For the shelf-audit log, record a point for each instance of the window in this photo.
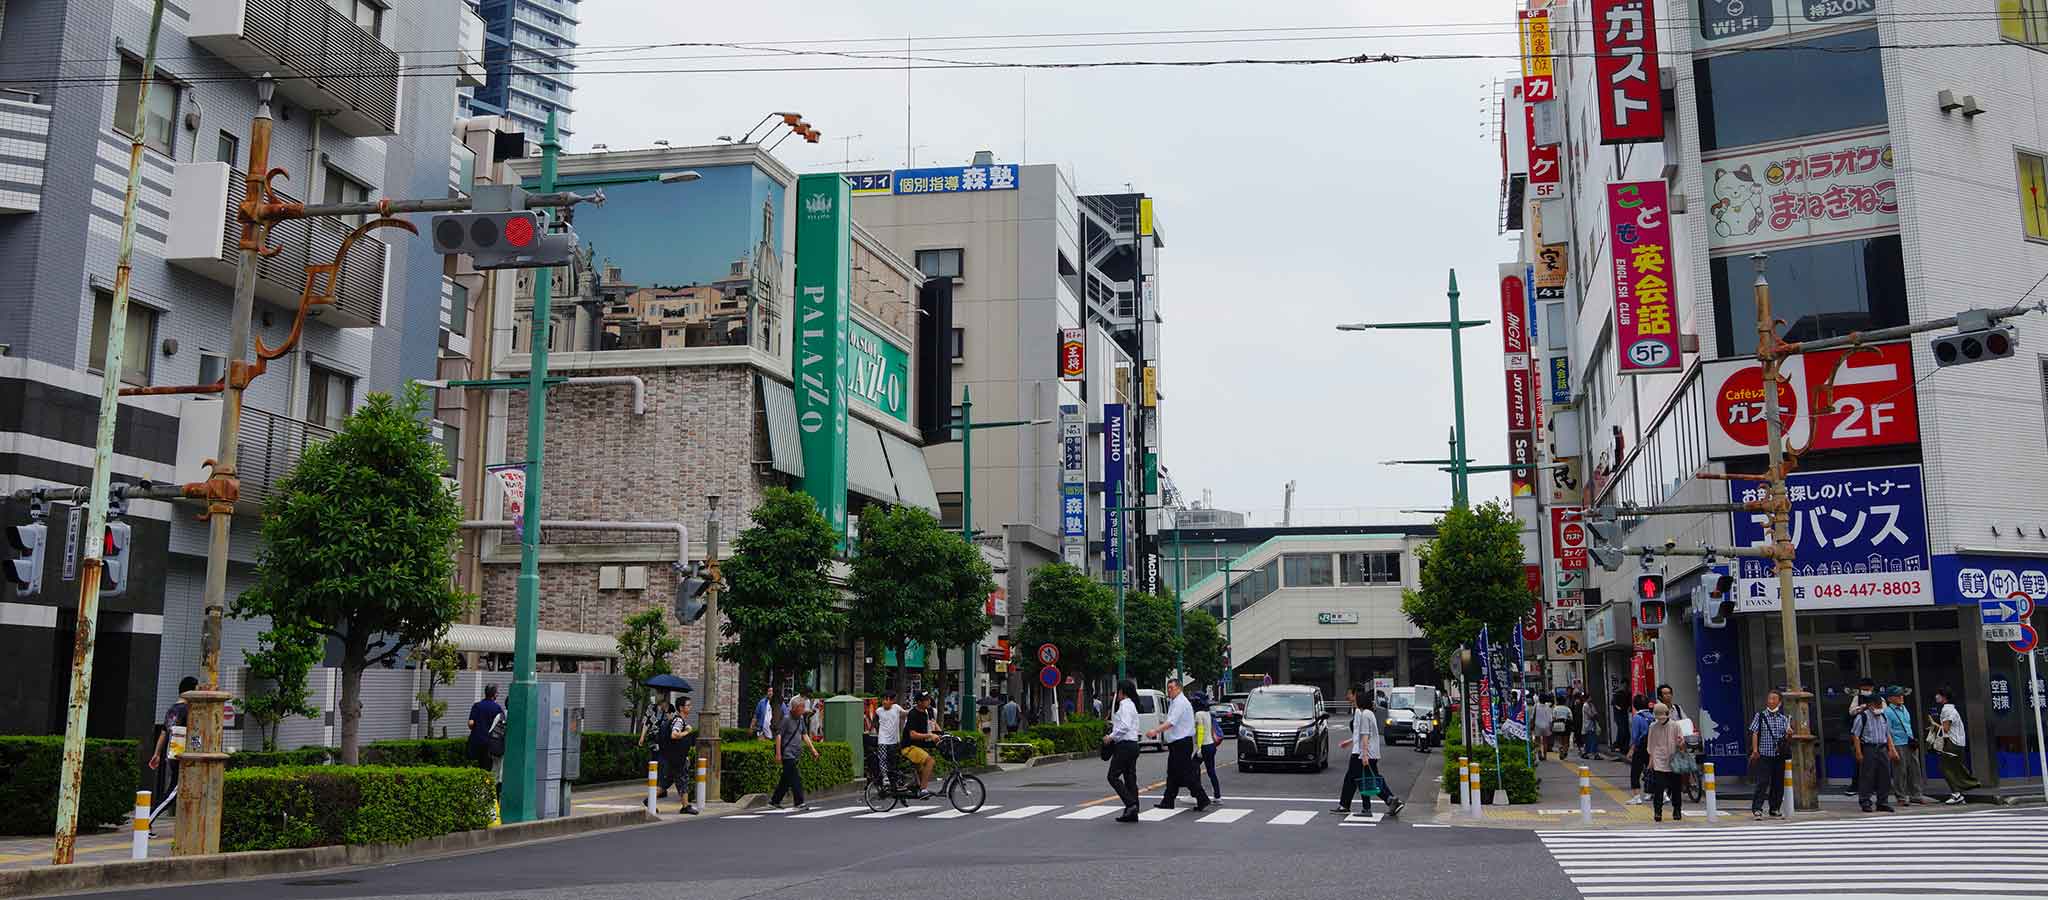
(458, 308)
(1823, 291)
(229, 150)
(343, 189)
(330, 398)
(1307, 569)
(158, 131)
(135, 342)
(1377, 567)
(2025, 21)
(213, 367)
(1554, 336)
(451, 444)
(367, 15)
(959, 344)
(939, 263)
(2033, 196)
(1839, 85)
(951, 508)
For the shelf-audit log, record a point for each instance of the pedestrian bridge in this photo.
(1302, 588)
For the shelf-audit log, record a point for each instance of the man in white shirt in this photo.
(1122, 744)
(888, 722)
(1179, 729)
(1366, 747)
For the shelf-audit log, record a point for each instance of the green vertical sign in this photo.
(879, 372)
(823, 256)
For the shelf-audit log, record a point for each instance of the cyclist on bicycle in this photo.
(919, 729)
(888, 725)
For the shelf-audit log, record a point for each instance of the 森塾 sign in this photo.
(1568, 537)
(1645, 299)
(1874, 404)
(1728, 23)
(1625, 71)
(1838, 188)
(956, 179)
(1859, 535)
(1537, 83)
(1073, 353)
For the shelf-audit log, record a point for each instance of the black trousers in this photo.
(678, 767)
(791, 782)
(1209, 760)
(1182, 773)
(1874, 775)
(1123, 773)
(1354, 778)
(1771, 769)
(1662, 784)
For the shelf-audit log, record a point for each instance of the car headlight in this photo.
(1305, 733)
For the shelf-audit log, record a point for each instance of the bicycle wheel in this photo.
(1695, 788)
(967, 793)
(878, 797)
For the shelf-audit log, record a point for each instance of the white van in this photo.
(1151, 714)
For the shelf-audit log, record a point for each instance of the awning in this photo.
(785, 445)
(867, 464)
(493, 639)
(913, 477)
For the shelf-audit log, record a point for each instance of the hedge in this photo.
(451, 752)
(1082, 736)
(288, 808)
(29, 766)
(750, 767)
(1015, 754)
(1521, 781)
(735, 736)
(973, 748)
(271, 759)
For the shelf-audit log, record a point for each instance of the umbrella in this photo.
(668, 682)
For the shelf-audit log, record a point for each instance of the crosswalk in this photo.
(1219, 815)
(1980, 854)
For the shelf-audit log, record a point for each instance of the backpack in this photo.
(677, 727)
(1560, 719)
(496, 742)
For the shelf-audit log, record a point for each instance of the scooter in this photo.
(1423, 728)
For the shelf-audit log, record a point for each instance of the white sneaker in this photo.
(1952, 800)
(1638, 800)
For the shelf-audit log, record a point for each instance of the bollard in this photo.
(700, 782)
(1790, 804)
(1713, 803)
(1476, 794)
(141, 849)
(1464, 781)
(1586, 795)
(653, 786)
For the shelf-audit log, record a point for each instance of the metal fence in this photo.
(392, 710)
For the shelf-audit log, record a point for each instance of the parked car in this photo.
(1227, 717)
(1284, 725)
(1405, 706)
(1151, 714)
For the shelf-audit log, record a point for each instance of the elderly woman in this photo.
(1663, 740)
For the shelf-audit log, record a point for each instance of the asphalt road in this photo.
(1030, 841)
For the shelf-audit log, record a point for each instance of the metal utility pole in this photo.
(971, 714)
(83, 635)
(1180, 582)
(520, 791)
(1460, 488)
(1229, 658)
(1769, 353)
(707, 715)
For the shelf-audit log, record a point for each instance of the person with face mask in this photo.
(1661, 741)
(1871, 737)
(1768, 731)
(1909, 781)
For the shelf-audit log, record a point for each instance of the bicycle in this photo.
(891, 784)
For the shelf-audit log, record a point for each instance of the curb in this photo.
(1051, 758)
(180, 870)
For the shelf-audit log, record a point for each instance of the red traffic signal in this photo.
(1649, 587)
(519, 231)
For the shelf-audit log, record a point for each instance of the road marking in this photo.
(1355, 820)
(1234, 798)
(899, 811)
(954, 813)
(828, 813)
(742, 816)
(1024, 812)
(1293, 817)
(611, 806)
(1225, 816)
(1092, 812)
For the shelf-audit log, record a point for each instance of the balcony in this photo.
(24, 144)
(323, 61)
(271, 445)
(206, 234)
(469, 68)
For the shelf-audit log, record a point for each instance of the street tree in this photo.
(1150, 645)
(644, 646)
(285, 655)
(358, 544)
(1471, 576)
(909, 577)
(1204, 646)
(439, 660)
(780, 610)
(960, 615)
(1073, 612)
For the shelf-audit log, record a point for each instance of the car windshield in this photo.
(1280, 706)
(1401, 701)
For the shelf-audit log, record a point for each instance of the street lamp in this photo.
(1180, 586)
(968, 427)
(1456, 326)
(1124, 563)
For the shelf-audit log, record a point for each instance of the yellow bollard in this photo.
(1476, 791)
(1713, 802)
(1465, 781)
(1586, 795)
(142, 811)
(653, 785)
(701, 777)
(1786, 808)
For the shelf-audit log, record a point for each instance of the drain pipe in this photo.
(639, 397)
(680, 530)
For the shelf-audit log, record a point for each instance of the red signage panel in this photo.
(1625, 71)
(1073, 353)
(1568, 537)
(1546, 162)
(1870, 402)
(1645, 297)
(1514, 310)
(1522, 451)
(1521, 401)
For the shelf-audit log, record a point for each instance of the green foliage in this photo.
(1012, 753)
(1521, 783)
(440, 660)
(276, 809)
(1204, 649)
(357, 544)
(1068, 609)
(1471, 576)
(1078, 736)
(780, 609)
(730, 735)
(750, 767)
(425, 752)
(644, 646)
(1150, 645)
(610, 756)
(29, 766)
(913, 580)
(973, 750)
(273, 759)
(285, 655)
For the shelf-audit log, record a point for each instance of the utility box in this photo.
(845, 720)
(551, 731)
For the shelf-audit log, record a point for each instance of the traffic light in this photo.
(503, 240)
(690, 605)
(1720, 600)
(26, 568)
(1602, 547)
(1976, 339)
(1650, 600)
(114, 560)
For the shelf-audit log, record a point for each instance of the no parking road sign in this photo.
(1048, 655)
(1049, 676)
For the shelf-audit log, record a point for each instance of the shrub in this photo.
(735, 736)
(973, 750)
(1012, 753)
(284, 808)
(750, 767)
(612, 756)
(1521, 781)
(271, 759)
(29, 767)
(1079, 736)
(452, 752)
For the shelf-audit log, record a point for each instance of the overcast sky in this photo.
(1291, 198)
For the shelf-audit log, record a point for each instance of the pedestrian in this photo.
(483, 715)
(1575, 725)
(1121, 747)
(1012, 715)
(653, 736)
(1621, 711)
(1207, 739)
(1539, 728)
(679, 755)
(888, 724)
(1097, 703)
(170, 743)
(1664, 697)
(1767, 736)
(1639, 752)
(1951, 741)
(1909, 782)
(1871, 737)
(921, 733)
(1661, 741)
(766, 710)
(1363, 762)
(1864, 686)
(791, 738)
(1179, 729)
(1589, 743)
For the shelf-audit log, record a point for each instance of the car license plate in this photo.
(1276, 751)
